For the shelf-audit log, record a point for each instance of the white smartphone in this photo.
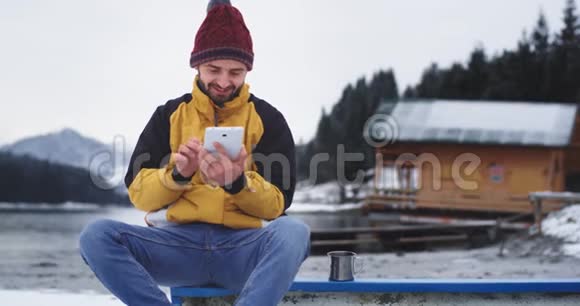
(231, 138)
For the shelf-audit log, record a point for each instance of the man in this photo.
(222, 219)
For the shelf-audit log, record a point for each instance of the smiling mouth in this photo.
(221, 91)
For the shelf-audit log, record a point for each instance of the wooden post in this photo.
(536, 199)
(378, 168)
(537, 202)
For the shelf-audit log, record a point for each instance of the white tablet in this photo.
(231, 138)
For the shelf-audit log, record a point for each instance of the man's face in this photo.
(222, 78)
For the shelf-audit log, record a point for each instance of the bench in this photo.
(404, 292)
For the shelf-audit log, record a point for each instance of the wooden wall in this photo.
(501, 181)
(572, 158)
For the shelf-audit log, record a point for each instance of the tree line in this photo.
(543, 67)
(26, 179)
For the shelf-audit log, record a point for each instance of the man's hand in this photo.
(187, 157)
(218, 168)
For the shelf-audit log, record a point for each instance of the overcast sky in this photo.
(101, 67)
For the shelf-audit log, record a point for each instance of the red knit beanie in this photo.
(222, 35)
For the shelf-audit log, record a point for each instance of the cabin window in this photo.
(400, 178)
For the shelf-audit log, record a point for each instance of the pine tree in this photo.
(477, 74)
(323, 143)
(565, 59)
(430, 84)
(409, 92)
(569, 35)
(454, 83)
(344, 125)
(323, 132)
(541, 35)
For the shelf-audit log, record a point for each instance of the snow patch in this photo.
(61, 298)
(565, 224)
(330, 192)
(323, 193)
(67, 206)
(53, 297)
(313, 208)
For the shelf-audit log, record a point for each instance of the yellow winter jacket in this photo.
(264, 191)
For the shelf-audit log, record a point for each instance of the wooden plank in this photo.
(433, 238)
(410, 197)
(392, 229)
(499, 206)
(504, 223)
(337, 242)
(404, 240)
(559, 196)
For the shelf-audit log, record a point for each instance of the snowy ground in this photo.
(26, 270)
(565, 225)
(324, 193)
(479, 263)
(556, 254)
(28, 298)
(328, 193)
(328, 208)
(67, 206)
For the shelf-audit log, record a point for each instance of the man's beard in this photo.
(219, 99)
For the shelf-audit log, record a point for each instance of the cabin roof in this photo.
(479, 122)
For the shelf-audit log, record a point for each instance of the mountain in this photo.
(68, 147)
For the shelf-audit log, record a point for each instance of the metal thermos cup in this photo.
(341, 265)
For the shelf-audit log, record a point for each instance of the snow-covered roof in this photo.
(484, 122)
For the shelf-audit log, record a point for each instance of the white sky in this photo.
(101, 67)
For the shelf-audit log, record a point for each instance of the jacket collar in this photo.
(207, 107)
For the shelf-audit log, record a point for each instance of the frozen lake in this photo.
(39, 248)
(39, 252)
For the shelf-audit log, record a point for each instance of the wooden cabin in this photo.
(472, 155)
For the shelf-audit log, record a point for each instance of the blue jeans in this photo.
(259, 264)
